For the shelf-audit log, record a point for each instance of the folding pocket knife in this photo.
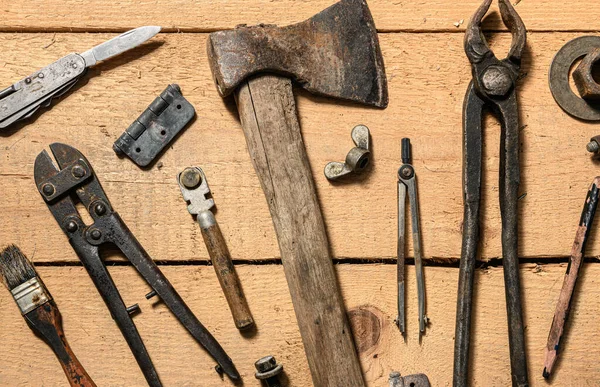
(22, 99)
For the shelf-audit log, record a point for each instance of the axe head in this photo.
(335, 53)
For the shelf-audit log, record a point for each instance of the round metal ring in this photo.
(559, 78)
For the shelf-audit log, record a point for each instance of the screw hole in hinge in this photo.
(178, 106)
(163, 132)
(138, 150)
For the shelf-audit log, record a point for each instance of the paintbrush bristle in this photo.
(15, 268)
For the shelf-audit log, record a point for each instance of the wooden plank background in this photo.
(427, 75)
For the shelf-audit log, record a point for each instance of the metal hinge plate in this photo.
(156, 127)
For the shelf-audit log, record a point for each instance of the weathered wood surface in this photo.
(27, 361)
(210, 15)
(428, 75)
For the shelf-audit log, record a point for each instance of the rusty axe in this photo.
(335, 53)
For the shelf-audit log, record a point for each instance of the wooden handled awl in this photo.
(40, 311)
(563, 306)
(194, 189)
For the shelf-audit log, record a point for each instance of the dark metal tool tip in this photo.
(406, 156)
(476, 46)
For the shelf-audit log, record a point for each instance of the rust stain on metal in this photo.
(585, 105)
(583, 76)
(335, 53)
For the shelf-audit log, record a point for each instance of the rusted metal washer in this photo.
(559, 78)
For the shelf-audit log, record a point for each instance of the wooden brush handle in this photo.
(46, 321)
(228, 278)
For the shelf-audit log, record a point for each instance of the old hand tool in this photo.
(335, 53)
(416, 380)
(40, 311)
(357, 158)
(268, 370)
(493, 87)
(563, 306)
(585, 106)
(156, 127)
(24, 98)
(407, 183)
(75, 179)
(195, 191)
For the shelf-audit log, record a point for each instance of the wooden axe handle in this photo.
(268, 114)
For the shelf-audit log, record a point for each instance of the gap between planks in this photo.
(428, 262)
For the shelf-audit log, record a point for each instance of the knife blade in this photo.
(119, 44)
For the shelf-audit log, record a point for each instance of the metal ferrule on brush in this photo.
(30, 295)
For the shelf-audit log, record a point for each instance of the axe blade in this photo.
(335, 53)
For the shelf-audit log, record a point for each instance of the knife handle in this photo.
(22, 99)
(228, 278)
(46, 321)
(8, 91)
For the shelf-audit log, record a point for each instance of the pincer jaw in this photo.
(475, 44)
(515, 25)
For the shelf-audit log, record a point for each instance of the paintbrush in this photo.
(40, 311)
